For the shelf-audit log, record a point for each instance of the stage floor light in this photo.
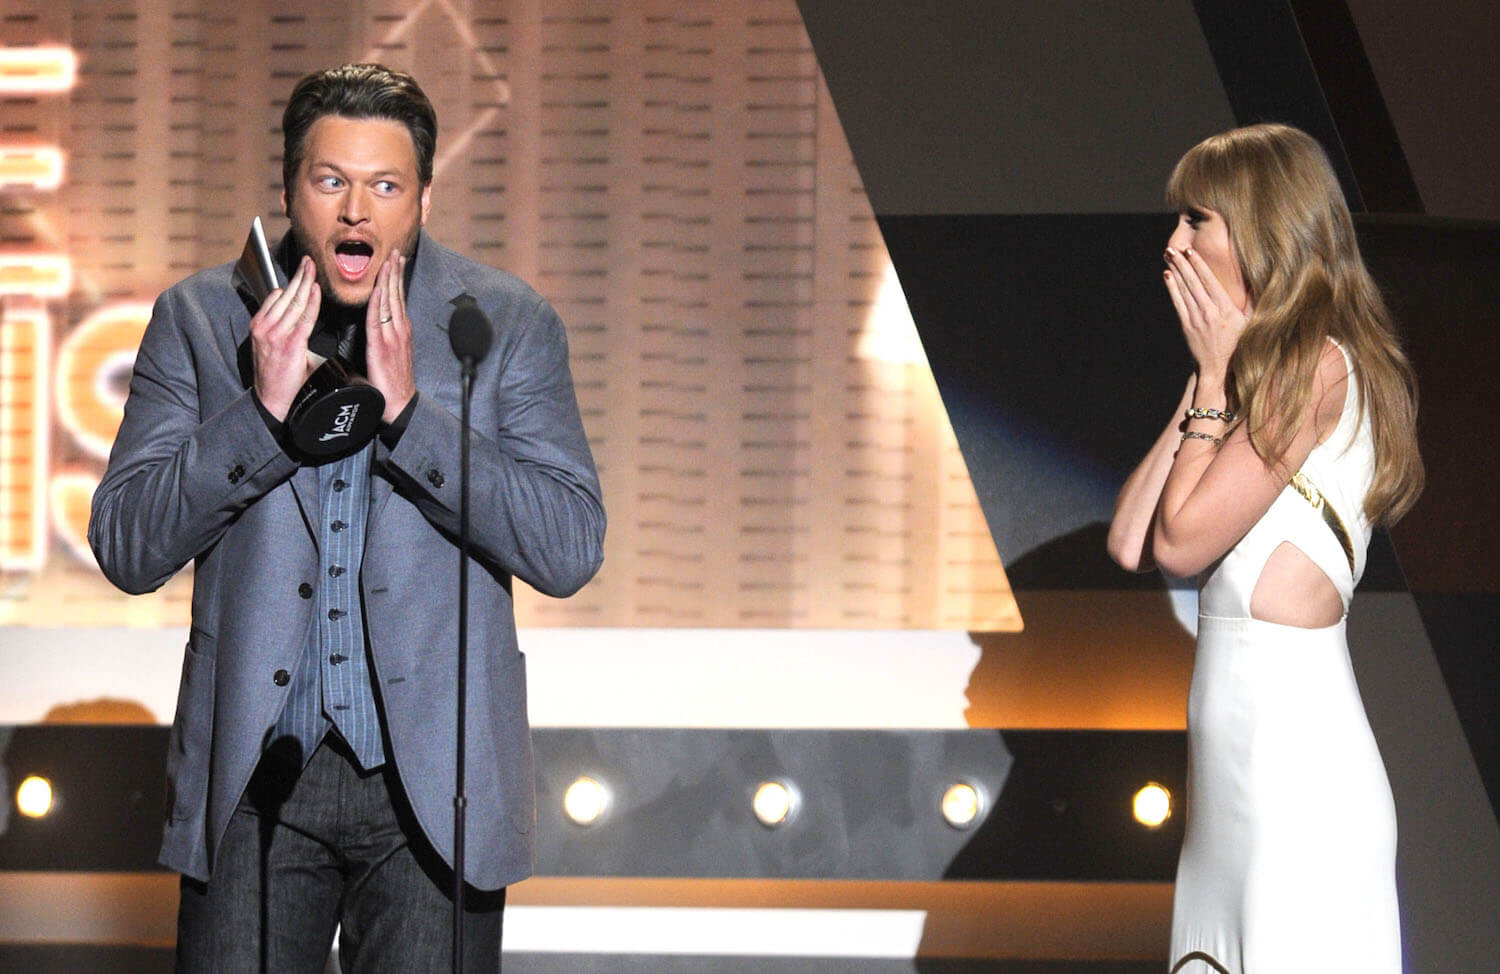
(962, 803)
(1152, 805)
(585, 801)
(34, 796)
(775, 803)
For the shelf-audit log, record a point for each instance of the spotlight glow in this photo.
(962, 804)
(94, 365)
(25, 354)
(585, 801)
(34, 168)
(34, 797)
(889, 334)
(28, 70)
(36, 275)
(775, 803)
(1152, 805)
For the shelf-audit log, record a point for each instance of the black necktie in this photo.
(351, 345)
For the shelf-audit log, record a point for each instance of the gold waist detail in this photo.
(1310, 492)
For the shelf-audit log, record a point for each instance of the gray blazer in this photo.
(196, 475)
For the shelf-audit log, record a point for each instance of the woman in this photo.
(1295, 437)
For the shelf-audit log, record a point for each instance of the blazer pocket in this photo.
(192, 731)
(514, 762)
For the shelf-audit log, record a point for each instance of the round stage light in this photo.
(775, 802)
(34, 797)
(1152, 805)
(585, 801)
(962, 804)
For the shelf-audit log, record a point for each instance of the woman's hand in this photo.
(1211, 322)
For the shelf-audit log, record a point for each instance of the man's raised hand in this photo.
(278, 339)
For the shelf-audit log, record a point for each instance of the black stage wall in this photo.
(1015, 153)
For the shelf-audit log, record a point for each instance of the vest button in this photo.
(281, 678)
(435, 477)
(305, 590)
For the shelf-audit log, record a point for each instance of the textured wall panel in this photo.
(673, 177)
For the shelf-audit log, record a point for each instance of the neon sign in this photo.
(82, 377)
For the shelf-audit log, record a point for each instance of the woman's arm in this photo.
(1213, 494)
(1130, 530)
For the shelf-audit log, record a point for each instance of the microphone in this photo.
(470, 334)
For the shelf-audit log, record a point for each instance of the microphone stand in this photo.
(470, 333)
(460, 801)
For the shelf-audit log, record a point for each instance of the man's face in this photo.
(356, 199)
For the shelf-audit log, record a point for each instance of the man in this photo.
(311, 764)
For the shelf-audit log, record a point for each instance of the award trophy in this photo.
(336, 412)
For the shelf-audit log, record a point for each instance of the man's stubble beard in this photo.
(331, 302)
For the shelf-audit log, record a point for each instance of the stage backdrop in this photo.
(770, 440)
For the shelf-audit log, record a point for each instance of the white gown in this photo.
(1289, 859)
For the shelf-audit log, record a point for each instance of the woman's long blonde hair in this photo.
(1277, 193)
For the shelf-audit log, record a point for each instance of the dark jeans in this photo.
(311, 848)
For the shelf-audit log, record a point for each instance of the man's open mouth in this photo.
(353, 258)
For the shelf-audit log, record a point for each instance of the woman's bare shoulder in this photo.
(1330, 386)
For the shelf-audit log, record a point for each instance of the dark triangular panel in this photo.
(1014, 154)
(1302, 63)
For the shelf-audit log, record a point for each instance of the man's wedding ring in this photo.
(386, 320)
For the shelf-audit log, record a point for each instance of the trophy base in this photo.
(335, 413)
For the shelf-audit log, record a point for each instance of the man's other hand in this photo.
(278, 339)
(388, 338)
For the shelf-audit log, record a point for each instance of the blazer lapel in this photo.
(305, 489)
(305, 480)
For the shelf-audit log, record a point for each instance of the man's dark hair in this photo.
(357, 91)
